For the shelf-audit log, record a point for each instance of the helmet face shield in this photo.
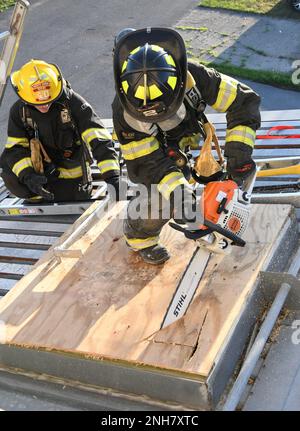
(150, 73)
(38, 82)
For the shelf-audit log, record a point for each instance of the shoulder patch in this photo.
(128, 135)
(84, 106)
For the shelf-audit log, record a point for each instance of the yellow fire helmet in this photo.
(38, 82)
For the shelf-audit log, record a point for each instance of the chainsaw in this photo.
(226, 212)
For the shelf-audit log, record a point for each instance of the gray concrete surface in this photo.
(246, 40)
(29, 392)
(78, 36)
(277, 386)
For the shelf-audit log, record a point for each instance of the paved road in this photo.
(78, 35)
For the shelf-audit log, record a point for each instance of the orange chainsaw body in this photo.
(215, 195)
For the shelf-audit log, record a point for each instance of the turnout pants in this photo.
(146, 217)
(63, 189)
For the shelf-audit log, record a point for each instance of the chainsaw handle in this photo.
(225, 232)
(194, 234)
(211, 227)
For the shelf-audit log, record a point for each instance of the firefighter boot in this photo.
(155, 255)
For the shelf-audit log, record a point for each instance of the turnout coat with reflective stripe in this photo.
(141, 146)
(60, 138)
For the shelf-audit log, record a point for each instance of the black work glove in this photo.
(240, 164)
(50, 171)
(114, 181)
(186, 208)
(35, 184)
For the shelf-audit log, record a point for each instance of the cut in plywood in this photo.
(110, 304)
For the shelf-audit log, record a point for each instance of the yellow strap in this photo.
(108, 165)
(141, 243)
(169, 183)
(12, 141)
(135, 149)
(226, 95)
(243, 134)
(95, 133)
(21, 165)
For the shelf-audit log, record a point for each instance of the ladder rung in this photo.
(4, 35)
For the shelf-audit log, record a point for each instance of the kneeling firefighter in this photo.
(52, 135)
(158, 115)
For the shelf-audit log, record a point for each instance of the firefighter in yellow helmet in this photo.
(158, 114)
(53, 136)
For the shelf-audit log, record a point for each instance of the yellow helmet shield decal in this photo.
(41, 91)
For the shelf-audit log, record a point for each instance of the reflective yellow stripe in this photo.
(124, 66)
(125, 86)
(136, 149)
(114, 135)
(135, 50)
(11, 142)
(141, 243)
(172, 81)
(108, 165)
(157, 48)
(242, 134)
(227, 94)
(169, 183)
(35, 198)
(170, 60)
(70, 173)
(141, 92)
(90, 134)
(154, 92)
(21, 165)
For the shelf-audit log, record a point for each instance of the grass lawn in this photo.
(5, 4)
(279, 8)
(278, 79)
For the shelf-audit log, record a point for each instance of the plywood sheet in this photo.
(110, 304)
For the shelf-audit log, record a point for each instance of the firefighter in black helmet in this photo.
(157, 114)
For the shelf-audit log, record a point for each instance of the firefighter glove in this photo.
(240, 164)
(114, 182)
(35, 183)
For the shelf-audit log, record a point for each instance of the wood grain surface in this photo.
(110, 304)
